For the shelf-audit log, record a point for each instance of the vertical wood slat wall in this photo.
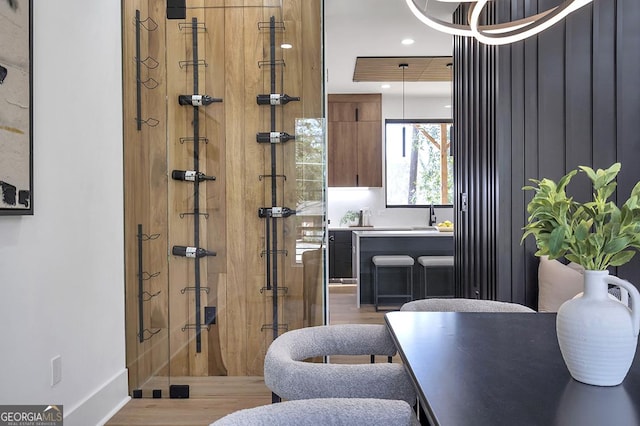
(232, 47)
(474, 165)
(564, 98)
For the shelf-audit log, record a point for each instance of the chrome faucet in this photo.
(432, 215)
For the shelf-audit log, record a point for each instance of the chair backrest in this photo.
(288, 375)
(339, 339)
(327, 411)
(463, 305)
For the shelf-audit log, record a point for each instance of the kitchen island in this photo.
(414, 243)
(340, 250)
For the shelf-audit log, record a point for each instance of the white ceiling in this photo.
(375, 28)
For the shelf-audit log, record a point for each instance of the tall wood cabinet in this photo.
(355, 140)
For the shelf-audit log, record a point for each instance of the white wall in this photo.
(62, 269)
(342, 199)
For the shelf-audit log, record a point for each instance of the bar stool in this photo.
(429, 262)
(392, 261)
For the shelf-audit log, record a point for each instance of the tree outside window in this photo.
(419, 169)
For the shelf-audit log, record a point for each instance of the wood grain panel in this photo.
(257, 193)
(158, 219)
(342, 111)
(293, 76)
(214, 163)
(235, 309)
(311, 38)
(342, 157)
(180, 156)
(199, 361)
(369, 153)
(232, 46)
(420, 68)
(131, 145)
(354, 156)
(144, 160)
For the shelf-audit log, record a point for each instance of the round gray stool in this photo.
(429, 262)
(392, 261)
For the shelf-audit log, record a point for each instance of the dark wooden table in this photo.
(503, 369)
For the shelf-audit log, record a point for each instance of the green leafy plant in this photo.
(596, 234)
(351, 216)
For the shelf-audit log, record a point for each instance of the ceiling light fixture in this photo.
(404, 128)
(286, 45)
(408, 41)
(495, 34)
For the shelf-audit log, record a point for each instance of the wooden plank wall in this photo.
(145, 175)
(561, 99)
(232, 47)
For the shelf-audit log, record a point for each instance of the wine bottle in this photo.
(276, 99)
(197, 100)
(190, 175)
(191, 252)
(275, 212)
(274, 137)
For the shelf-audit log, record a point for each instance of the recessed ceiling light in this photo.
(408, 41)
(286, 46)
(447, 106)
(385, 86)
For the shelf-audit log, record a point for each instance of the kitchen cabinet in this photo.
(355, 140)
(340, 254)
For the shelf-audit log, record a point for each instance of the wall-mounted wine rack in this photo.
(274, 213)
(144, 295)
(196, 177)
(149, 62)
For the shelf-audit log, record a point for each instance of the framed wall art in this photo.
(16, 136)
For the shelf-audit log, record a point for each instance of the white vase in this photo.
(597, 334)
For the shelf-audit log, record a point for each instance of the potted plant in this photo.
(350, 218)
(592, 329)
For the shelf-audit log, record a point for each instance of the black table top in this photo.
(503, 369)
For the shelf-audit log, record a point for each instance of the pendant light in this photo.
(497, 34)
(404, 129)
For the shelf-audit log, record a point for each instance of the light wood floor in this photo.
(211, 398)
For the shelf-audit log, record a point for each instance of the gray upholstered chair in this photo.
(463, 305)
(326, 411)
(290, 377)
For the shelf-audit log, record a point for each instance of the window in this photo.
(310, 171)
(419, 168)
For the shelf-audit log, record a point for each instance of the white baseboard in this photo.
(114, 411)
(102, 404)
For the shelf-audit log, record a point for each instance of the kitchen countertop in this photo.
(383, 228)
(403, 233)
(369, 228)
